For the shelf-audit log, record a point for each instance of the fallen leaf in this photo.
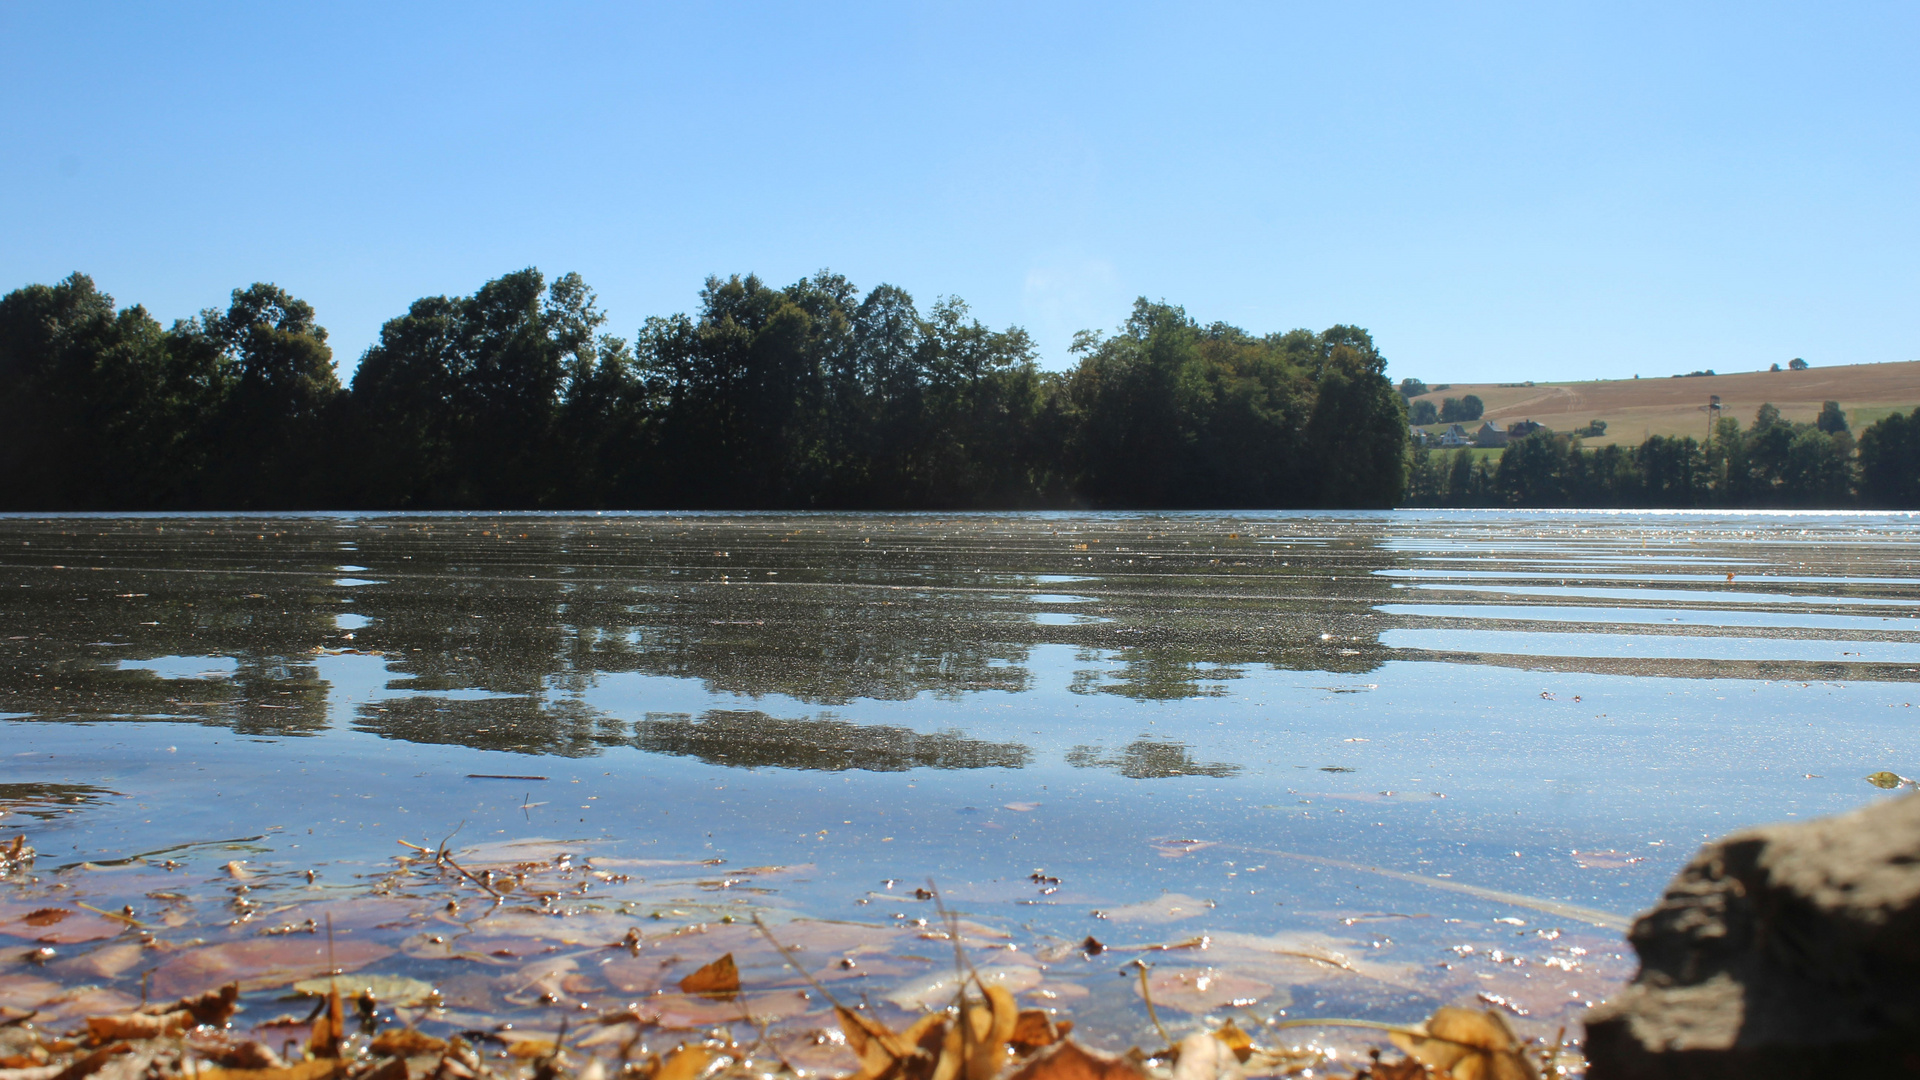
(1201, 990)
(1235, 1040)
(262, 963)
(388, 990)
(62, 926)
(938, 989)
(1467, 1045)
(406, 1042)
(686, 1063)
(1889, 780)
(311, 1069)
(104, 1029)
(1033, 1030)
(1068, 1060)
(328, 1029)
(1165, 908)
(533, 1049)
(719, 979)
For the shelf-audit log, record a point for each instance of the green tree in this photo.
(1831, 419)
(100, 410)
(277, 389)
(459, 403)
(1890, 462)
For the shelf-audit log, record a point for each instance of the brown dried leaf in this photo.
(213, 1008)
(106, 1029)
(406, 1042)
(686, 1063)
(311, 1069)
(1068, 1060)
(1033, 1030)
(329, 1029)
(719, 979)
(1236, 1040)
(1466, 1044)
(93, 1062)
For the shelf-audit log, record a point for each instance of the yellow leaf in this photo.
(406, 1042)
(311, 1069)
(1236, 1040)
(686, 1063)
(329, 1029)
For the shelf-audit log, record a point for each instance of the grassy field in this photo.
(1637, 408)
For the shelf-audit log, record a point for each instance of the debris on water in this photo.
(1890, 780)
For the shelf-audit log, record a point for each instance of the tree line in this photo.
(814, 395)
(1770, 463)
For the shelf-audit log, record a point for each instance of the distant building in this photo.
(1418, 436)
(1455, 435)
(1488, 435)
(1523, 429)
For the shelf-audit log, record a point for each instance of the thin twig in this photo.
(1152, 1013)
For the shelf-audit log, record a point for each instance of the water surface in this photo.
(1456, 751)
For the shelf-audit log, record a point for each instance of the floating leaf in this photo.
(1165, 908)
(386, 989)
(1889, 780)
(719, 979)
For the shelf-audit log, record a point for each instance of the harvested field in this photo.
(1637, 408)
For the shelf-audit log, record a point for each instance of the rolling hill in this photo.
(1637, 408)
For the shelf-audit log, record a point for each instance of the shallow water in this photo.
(1372, 737)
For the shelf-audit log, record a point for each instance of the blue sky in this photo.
(1499, 192)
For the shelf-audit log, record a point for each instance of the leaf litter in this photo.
(538, 960)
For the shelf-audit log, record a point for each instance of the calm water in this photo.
(1379, 733)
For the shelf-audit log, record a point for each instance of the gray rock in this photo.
(1787, 950)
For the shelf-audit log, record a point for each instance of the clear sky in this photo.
(1499, 192)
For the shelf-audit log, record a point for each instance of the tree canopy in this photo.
(810, 395)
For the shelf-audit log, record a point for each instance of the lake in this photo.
(1299, 764)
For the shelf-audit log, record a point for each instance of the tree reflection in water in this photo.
(1149, 759)
(752, 739)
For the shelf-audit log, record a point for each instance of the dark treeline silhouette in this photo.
(813, 395)
(1771, 463)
